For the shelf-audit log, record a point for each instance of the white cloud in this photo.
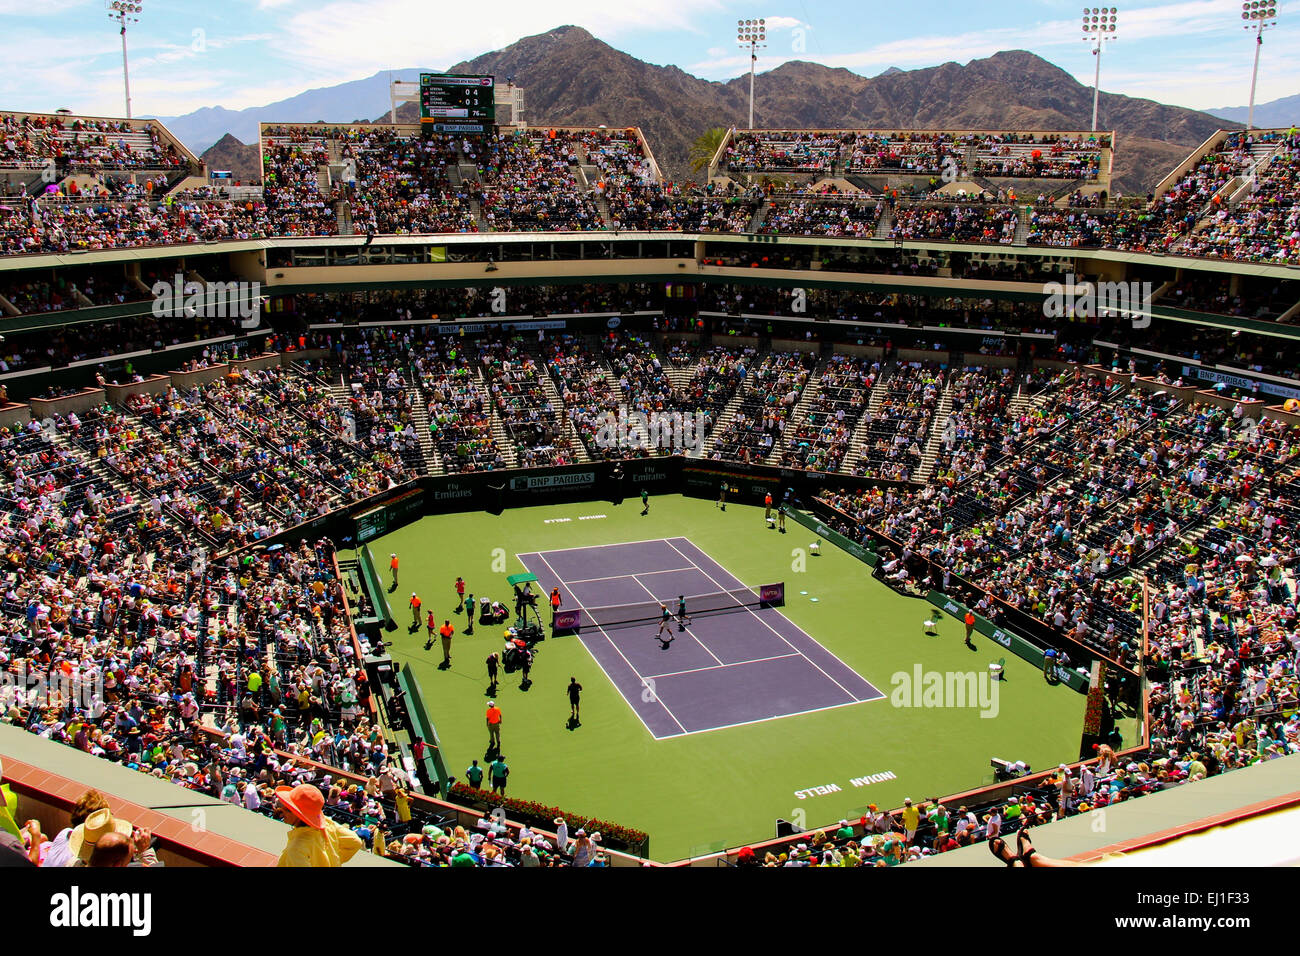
(352, 38)
(26, 8)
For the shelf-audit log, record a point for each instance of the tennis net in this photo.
(650, 611)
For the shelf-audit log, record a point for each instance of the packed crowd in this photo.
(1265, 226)
(955, 223)
(822, 439)
(216, 674)
(84, 145)
(787, 150)
(529, 184)
(377, 180)
(833, 218)
(768, 398)
(895, 431)
(539, 430)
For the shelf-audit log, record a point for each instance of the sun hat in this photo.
(305, 802)
(85, 836)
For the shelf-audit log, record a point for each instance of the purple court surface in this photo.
(722, 670)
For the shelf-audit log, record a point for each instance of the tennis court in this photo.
(695, 787)
(736, 662)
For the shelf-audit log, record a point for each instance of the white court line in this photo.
(671, 715)
(763, 720)
(588, 547)
(615, 577)
(769, 626)
(671, 621)
(696, 670)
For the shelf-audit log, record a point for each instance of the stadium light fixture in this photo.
(753, 34)
(1099, 25)
(1260, 15)
(124, 12)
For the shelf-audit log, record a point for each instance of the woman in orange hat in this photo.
(314, 840)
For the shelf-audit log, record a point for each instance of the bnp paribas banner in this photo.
(576, 479)
(1237, 381)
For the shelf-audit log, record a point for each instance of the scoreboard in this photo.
(457, 103)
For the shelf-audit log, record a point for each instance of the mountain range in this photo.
(1279, 114)
(571, 78)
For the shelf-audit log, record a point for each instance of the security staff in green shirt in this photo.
(474, 774)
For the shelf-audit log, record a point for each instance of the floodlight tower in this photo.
(124, 12)
(752, 34)
(1260, 15)
(1099, 24)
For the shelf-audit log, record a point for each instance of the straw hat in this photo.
(85, 836)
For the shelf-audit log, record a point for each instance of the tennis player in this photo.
(665, 619)
(682, 617)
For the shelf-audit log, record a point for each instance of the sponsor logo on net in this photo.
(678, 432)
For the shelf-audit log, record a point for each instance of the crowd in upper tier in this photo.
(1235, 202)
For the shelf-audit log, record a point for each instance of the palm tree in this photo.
(704, 147)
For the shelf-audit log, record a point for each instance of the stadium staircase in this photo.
(680, 377)
(1066, 189)
(939, 424)
(759, 217)
(602, 207)
(1261, 153)
(1023, 402)
(1021, 237)
(728, 413)
(886, 223)
(857, 444)
(586, 176)
(467, 176)
(500, 434)
(576, 444)
(420, 417)
(107, 475)
(798, 415)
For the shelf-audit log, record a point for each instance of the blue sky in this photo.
(239, 53)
